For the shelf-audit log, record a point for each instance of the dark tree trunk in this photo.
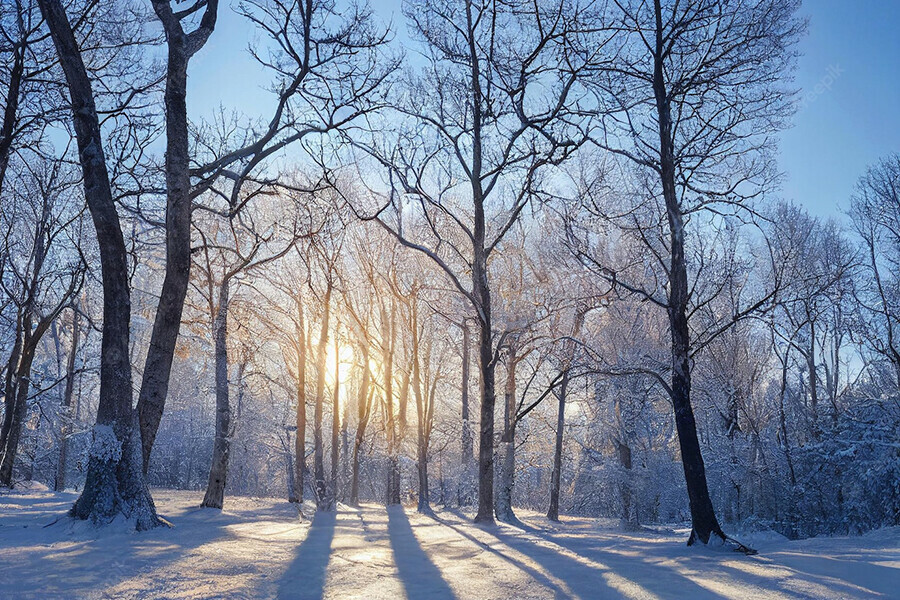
(11, 108)
(464, 489)
(503, 505)
(158, 365)
(218, 471)
(703, 517)
(9, 390)
(556, 474)
(115, 482)
(335, 425)
(422, 417)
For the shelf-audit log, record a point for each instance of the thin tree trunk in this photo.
(463, 490)
(504, 508)
(556, 474)
(424, 503)
(363, 403)
(300, 439)
(11, 106)
(115, 483)
(318, 450)
(335, 424)
(218, 471)
(393, 475)
(59, 482)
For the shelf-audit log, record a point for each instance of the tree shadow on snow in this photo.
(419, 575)
(597, 580)
(304, 579)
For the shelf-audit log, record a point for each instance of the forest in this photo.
(495, 260)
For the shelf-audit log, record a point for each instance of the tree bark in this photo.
(363, 409)
(218, 471)
(318, 450)
(335, 424)
(59, 483)
(503, 507)
(703, 517)
(300, 439)
(393, 475)
(115, 483)
(556, 474)
(167, 322)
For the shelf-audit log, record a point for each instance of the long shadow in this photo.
(587, 581)
(419, 575)
(115, 555)
(534, 573)
(304, 578)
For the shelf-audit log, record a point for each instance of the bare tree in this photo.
(478, 133)
(115, 483)
(689, 99)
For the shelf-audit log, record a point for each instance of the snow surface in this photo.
(259, 548)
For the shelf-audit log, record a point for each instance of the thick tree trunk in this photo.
(556, 474)
(506, 476)
(318, 449)
(486, 435)
(703, 517)
(166, 324)
(59, 482)
(115, 483)
(218, 471)
(300, 439)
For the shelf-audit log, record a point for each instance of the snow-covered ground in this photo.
(258, 548)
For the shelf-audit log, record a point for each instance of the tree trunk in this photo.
(363, 403)
(335, 424)
(59, 483)
(9, 391)
(115, 483)
(424, 503)
(300, 439)
(167, 322)
(703, 517)
(11, 107)
(218, 471)
(318, 450)
(464, 490)
(506, 478)
(19, 412)
(393, 475)
(556, 474)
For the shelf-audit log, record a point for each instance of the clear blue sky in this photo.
(852, 49)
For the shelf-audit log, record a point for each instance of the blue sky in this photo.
(851, 52)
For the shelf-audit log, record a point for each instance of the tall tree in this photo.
(182, 45)
(692, 94)
(115, 483)
(476, 132)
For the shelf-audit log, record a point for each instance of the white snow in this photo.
(258, 548)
